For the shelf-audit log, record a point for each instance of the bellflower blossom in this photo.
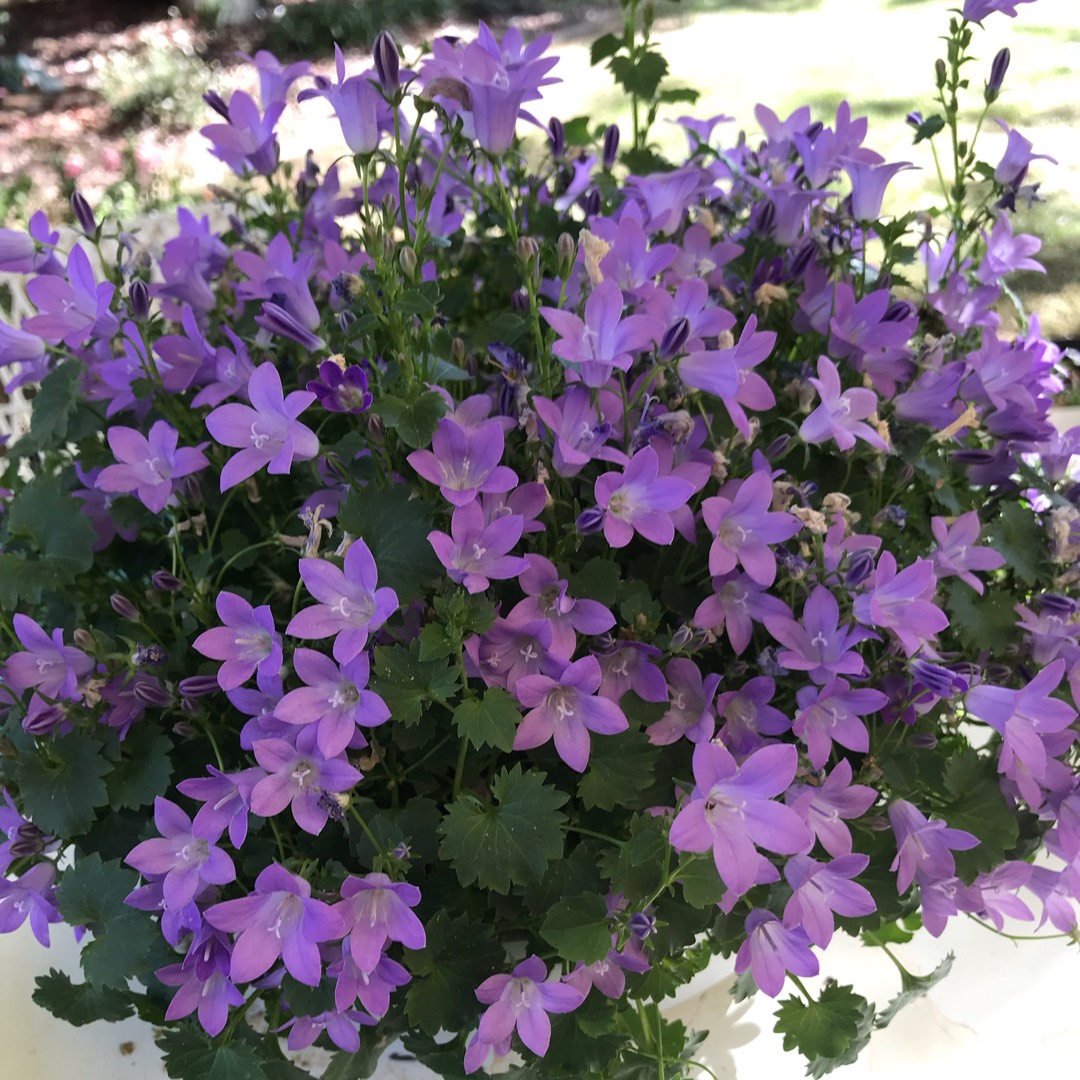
(247, 641)
(475, 553)
(924, 847)
(771, 950)
(465, 461)
(375, 910)
(47, 664)
(203, 982)
(736, 604)
(246, 143)
(31, 895)
(977, 10)
(840, 414)
(278, 920)
(640, 500)
(267, 433)
(831, 714)
(956, 551)
(71, 309)
(692, 711)
(357, 103)
(149, 465)
(819, 889)
(900, 602)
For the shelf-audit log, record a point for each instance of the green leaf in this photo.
(60, 795)
(620, 769)
(437, 642)
(54, 405)
(701, 884)
(979, 807)
(912, 987)
(54, 521)
(604, 46)
(395, 527)
(143, 770)
(358, 1066)
(413, 421)
(1017, 535)
(641, 76)
(489, 721)
(445, 975)
(190, 1055)
(981, 622)
(408, 684)
(421, 300)
(578, 928)
(897, 932)
(636, 869)
(825, 1028)
(929, 128)
(27, 579)
(677, 94)
(511, 841)
(599, 579)
(79, 1003)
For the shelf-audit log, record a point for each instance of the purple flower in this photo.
(977, 10)
(771, 950)
(819, 889)
(17, 347)
(735, 606)
(357, 103)
(691, 713)
(375, 910)
(546, 599)
(956, 551)
(580, 428)
(279, 919)
(48, 664)
(247, 641)
(629, 666)
(900, 602)
(923, 846)
(1014, 163)
(340, 1027)
(840, 414)
(522, 1001)
(475, 553)
(267, 432)
(868, 184)
(826, 807)
(246, 143)
(204, 983)
(148, 466)
(341, 389)
(187, 859)
(280, 278)
(743, 529)
(510, 650)
(30, 895)
(351, 607)
(1006, 253)
(640, 500)
(30, 252)
(226, 798)
(333, 699)
(748, 716)
(831, 714)
(299, 779)
(733, 808)
(373, 988)
(818, 645)
(465, 461)
(565, 708)
(275, 78)
(604, 340)
(720, 372)
(73, 308)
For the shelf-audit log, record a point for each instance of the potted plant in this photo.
(459, 606)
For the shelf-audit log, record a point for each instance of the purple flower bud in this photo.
(923, 740)
(940, 681)
(674, 340)
(84, 639)
(1059, 605)
(791, 561)
(184, 729)
(402, 852)
(166, 582)
(914, 118)
(519, 300)
(859, 568)
(801, 259)
(894, 515)
(43, 721)
(139, 299)
(151, 692)
(278, 321)
(387, 63)
(149, 655)
(198, 685)
(592, 203)
(997, 673)
(237, 226)
(556, 137)
(898, 312)
(768, 664)
(814, 130)
(997, 76)
(641, 925)
(611, 145)
(973, 457)
(217, 103)
(682, 637)
(83, 214)
(766, 217)
(778, 447)
(591, 521)
(124, 607)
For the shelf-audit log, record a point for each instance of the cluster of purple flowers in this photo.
(776, 627)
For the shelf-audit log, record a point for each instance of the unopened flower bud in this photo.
(527, 249)
(941, 73)
(611, 145)
(149, 655)
(556, 137)
(778, 447)
(166, 582)
(407, 261)
(402, 852)
(124, 607)
(766, 218)
(139, 299)
(898, 311)
(641, 925)
(592, 203)
(914, 118)
(83, 639)
(923, 740)
(387, 63)
(519, 300)
(43, 719)
(860, 567)
(567, 251)
(591, 521)
(151, 692)
(674, 340)
(198, 685)
(217, 103)
(184, 729)
(1059, 605)
(83, 214)
(682, 636)
(237, 226)
(345, 320)
(457, 350)
(997, 76)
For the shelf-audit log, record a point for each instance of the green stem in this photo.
(596, 835)
(459, 768)
(1017, 937)
(799, 983)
